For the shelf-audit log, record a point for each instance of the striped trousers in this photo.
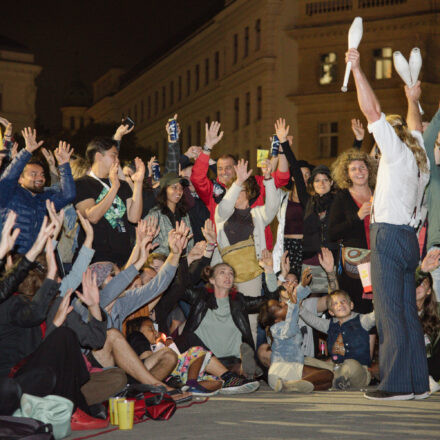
(402, 355)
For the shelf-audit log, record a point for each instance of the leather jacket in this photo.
(241, 306)
(10, 281)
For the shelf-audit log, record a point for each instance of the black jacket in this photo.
(10, 281)
(202, 299)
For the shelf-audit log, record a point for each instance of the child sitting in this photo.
(347, 341)
(287, 371)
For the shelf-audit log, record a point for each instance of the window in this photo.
(171, 92)
(328, 139)
(198, 133)
(217, 116)
(188, 82)
(156, 102)
(208, 120)
(142, 111)
(72, 123)
(246, 42)
(197, 77)
(383, 60)
(135, 112)
(149, 107)
(258, 34)
(328, 68)
(235, 52)
(236, 113)
(206, 71)
(188, 134)
(217, 65)
(248, 109)
(179, 89)
(164, 97)
(259, 103)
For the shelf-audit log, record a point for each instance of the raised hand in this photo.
(50, 260)
(241, 171)
(281, 130)
(8, 236)
(354, 57)
(50, 159)
(413, 93)
(326, 260)
(209, 233)
(306, 277)
(193, 152)
(113, 174)
(14, 150)
(121, 131)
(146, 247)
(266, 168)
(358, 129)
(63, 310)
(5, 122)
(88, 229)
(212, 136)
(196, 252)
(178, 238)
(63, 153)
(167, 128)
(56, 219)
(431, 261)
(30, 138)
(90, 295)
(139, 174)
(285, 264)
(46, 230)
(266, 260)
(150, 164)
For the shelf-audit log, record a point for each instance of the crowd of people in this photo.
(212, 278)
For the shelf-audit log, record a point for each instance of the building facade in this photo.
(259, 60)
(18, 72)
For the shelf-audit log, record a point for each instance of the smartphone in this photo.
(128, 121)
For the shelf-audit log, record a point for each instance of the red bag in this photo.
(157, 406)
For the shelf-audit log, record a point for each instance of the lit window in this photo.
(328, 139)
(383, 63)
(328, 68)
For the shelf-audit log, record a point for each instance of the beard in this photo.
(34, 188)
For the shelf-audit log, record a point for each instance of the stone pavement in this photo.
(266, 415)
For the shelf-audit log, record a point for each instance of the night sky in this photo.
(92, 36)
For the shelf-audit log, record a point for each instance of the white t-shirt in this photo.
(400, 186)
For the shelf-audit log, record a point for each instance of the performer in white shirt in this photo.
(396, 214)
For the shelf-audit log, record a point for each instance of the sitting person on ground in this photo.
(287, 371)
(347, 341)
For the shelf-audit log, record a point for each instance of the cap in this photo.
(320, 169)
(171, 179)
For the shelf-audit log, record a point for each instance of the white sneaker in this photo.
(434, 386)
(298, 386)
(422, 396)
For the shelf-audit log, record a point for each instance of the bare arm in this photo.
(413, 117)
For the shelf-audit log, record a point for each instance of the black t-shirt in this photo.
(112, 233)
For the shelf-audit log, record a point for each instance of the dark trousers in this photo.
(402, 356)
(60, 354)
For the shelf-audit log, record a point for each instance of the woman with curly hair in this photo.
(354, 173)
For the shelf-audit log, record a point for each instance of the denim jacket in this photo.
(287, 336)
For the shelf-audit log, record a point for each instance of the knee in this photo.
(169, 356)
(114, 334)
(263, 353)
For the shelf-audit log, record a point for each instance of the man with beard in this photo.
(22, 189)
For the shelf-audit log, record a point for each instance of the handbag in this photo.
(23, 428)
(351, 257)
(242, 258)
(52, 409)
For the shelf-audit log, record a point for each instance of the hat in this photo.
(320, 169)
(171, 179)
(102, 270)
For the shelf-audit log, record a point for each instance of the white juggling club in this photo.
(354, 38)
(403, 69)
(415, 64)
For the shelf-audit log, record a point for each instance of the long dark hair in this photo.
(135, 324)
(429, 317)
(266, 319)
(181, 207)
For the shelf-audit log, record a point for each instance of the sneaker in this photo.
(434, 386)
(248, 364)
(385, 395)
(81, 421)
(234, 384)
(197, 390)
(297, 386)
(422, 396)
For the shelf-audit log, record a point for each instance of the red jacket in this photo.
(204, 188)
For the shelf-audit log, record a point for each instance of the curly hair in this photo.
(340, 168)
(402, 130)
(251, 188)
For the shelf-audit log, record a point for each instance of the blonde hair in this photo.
(79, 167)
(340, 168)
(402, 130)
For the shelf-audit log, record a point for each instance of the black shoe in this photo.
(98, 411)
(385, 395)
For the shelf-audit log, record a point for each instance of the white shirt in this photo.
(400, 186)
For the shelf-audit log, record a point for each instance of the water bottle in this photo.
(275, 146)
(172, 124)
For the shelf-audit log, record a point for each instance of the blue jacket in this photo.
(287, 336)
(30, 208)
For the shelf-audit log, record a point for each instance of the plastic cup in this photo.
(125, 414)
(113, 409)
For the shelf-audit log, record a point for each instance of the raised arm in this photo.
(134, 204)
(413, 117)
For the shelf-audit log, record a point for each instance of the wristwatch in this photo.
(206, 149)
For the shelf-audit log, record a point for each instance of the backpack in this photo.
(24, 428)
